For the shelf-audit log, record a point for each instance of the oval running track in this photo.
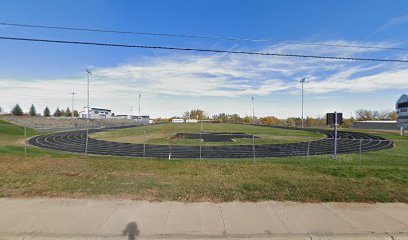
(348, 142)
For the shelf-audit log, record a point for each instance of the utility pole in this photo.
(131, 111)
(72, 109)
(88, 73)
(303, 83)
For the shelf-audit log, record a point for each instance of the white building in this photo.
(140, 119)
(177, 120)
(191, 121)
(96, 113)
(402, 112)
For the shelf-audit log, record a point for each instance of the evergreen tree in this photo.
(62, 113)
(32, 111)
(75, 112)
(1, 109)
(68, 112)
(17, 111)
(57, 112)
(46, 112)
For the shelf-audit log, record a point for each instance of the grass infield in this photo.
(164, 134)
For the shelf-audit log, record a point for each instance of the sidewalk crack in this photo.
(339, 216)
(389, 215)
(279, 217)
(107, 220)
(165, 222)
(223, 221)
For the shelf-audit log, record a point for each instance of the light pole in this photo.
(140, 96)
(303, 83)
(253, 110)
(88, 73)
(72, 109)
(131, 111)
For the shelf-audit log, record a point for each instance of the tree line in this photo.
(18, 111)
(367, 115)
(361, 115)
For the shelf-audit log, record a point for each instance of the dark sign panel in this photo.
(330, 120)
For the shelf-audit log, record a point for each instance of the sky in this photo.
(172, 82)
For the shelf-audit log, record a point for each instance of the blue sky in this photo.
(172, 82)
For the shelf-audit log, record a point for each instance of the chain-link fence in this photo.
(172, 142)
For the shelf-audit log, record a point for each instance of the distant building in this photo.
(191, 120)
(376, 125)
(140, 119)
(177, 120)
(121, 116)
(96, 113)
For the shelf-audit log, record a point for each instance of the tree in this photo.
(17, 111)
(1, 109)
(364, 115)
(76, 114)
(46, 112)
(32, 111)
(194, 114)
(68, 112)
(347, 123)
(367, 115)
(270, 120)
(57, 112)
(63, 114)
(392, 115)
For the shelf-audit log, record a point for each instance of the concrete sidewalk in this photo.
(109, 219)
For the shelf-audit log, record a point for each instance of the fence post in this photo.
(170, 148)
(308, 149)
(200, 144)
(253, 147)
(361, 146)
(144, 143)
(25, 140)
(86, 141)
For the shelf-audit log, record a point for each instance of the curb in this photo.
(300, 236)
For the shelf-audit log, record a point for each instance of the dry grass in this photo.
(151, 179)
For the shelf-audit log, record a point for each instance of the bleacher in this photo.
(65, 122)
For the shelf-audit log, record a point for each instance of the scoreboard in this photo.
(402, 111)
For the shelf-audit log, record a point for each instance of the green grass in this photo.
(10, 133)
(163, 134)
(379, 177)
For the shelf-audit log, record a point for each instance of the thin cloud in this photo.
(396, 21)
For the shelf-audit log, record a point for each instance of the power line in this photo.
(201, 50)
(199, 36)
